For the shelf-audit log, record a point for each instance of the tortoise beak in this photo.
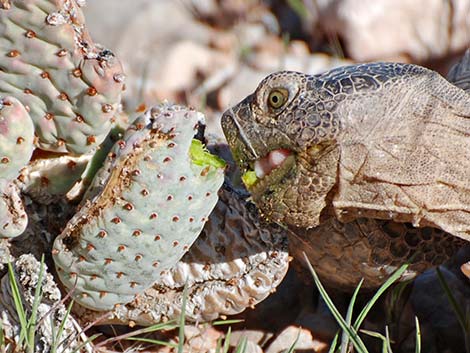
(237, 140)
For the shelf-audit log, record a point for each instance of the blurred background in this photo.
(212, 53)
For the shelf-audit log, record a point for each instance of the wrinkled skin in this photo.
(380, 141)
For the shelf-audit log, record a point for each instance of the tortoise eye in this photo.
(277, 98)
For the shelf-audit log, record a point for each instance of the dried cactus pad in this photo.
(153, 204)
(13, 217)
(70, 86)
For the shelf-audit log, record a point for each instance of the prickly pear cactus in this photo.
(16, 148)
(158, 189)
(235, 263)
(70, 86)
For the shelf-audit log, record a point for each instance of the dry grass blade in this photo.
(418, 336)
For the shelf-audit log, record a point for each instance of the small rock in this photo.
(432, 306)
(201, 338)
(257, 337)
(252, 348)
(403, 30)
(182, 65)
(465, 268)
(305, 341)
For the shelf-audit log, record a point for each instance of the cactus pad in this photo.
(235, 263)
(16, 148)
(152, 205)
(70, 86)
(16, 138)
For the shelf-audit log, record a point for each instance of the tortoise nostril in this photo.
(227, 122)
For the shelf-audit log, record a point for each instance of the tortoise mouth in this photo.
(273, 160)
(268, 170)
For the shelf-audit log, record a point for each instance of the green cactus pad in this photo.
(16, 138)
(70, 86)
(152, 204)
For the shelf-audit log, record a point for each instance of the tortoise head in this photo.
(283, 140)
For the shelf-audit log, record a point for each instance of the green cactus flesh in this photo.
(70, 86)
(200, 156)
(151, 206)
(249, 178)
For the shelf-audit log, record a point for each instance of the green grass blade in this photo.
(227, 340)
(418, 336)
(227, 322)
(34, 309)
(157, 327)
(298, 7)
(56, 336)
(182, 319)
(462, 317)
(53, 335)
(345, 337)
(362, 315)
(2, 336)
(218, 346)
(170, 325)
(455, 306)
(354, 337)
(88, 341)
(153, 341)
(17, 298)
(379, 336)
(334, 343)
(292, 347)
(241, 346)
(387, 336)
(393, 299)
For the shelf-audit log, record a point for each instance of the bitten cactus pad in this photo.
(70, 86)
(152, 205)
